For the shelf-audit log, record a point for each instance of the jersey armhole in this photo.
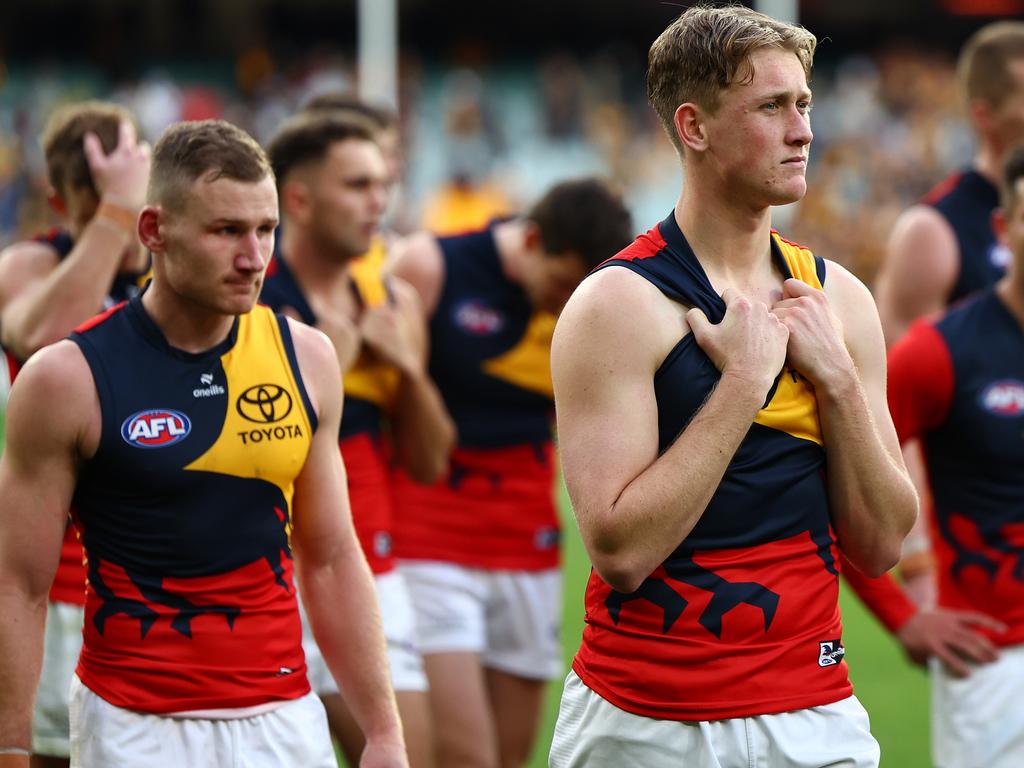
(102, 384)
(293, 361)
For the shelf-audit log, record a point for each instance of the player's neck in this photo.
(727, 240)
(988, 162)
(311, 264)
(185, 325)
(510, 240)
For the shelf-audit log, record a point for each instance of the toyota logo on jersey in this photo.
(1004, 398)
(156, 428)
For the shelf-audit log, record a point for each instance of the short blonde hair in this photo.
(209, 149)
(983, 68)
(707, 49)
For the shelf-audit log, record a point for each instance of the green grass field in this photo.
(894, 693)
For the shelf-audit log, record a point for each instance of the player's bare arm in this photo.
(419, 262)
(336, 584)
(633, 506)
(919, 271)
(422, 429)
(52, 298)
(52, 424)
(836, 343)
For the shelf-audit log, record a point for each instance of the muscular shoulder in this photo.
(617, 314)
(23, 263)
(855, 307)
(318, 364)
(55, 395)
(922, 263)
(418, 261)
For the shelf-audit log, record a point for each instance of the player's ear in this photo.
(296, 201)
(56, 202)
(150, 230)
(690, 125)
(531, 238)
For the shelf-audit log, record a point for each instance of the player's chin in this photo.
(239, 304)
(791, 191)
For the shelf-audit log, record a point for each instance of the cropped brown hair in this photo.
(707, 49)
(66, 165)
(983, 68)
(307, 137)
(584, 217)
(204, 149)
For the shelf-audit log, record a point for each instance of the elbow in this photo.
(427, 470)
(618, 568)
(879, 562)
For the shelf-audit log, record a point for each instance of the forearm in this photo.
(21, 653)
(882, 596)
(657, 510)
(71, 294)
(342, 606)
(423, 431)
(872, 500)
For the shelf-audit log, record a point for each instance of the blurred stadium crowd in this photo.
(484, 141)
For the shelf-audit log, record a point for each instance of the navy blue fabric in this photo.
(775, 485)
(976, 456)
(481, 315)
(968, 207)
(280, 290)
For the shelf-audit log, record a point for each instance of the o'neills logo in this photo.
(155, 428)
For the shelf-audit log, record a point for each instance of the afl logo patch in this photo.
(476, 318)
(1004, 398)
(264, 403)
(156, 428)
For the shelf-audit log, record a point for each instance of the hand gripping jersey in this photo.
(69, 581)
(967, 200)
(490, 357)
(185, 512)
(370, 389)
(742, 619)
(958, 384)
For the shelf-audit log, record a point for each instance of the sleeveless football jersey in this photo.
(742, 618)
(185, 512)
(69, 581)
(967, 200)
(958, 384)
(370, 389)
(490, 358)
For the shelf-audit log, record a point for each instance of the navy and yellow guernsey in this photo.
(69, 581)
(370, 390)
(742, 618)
(185, 512)
(490, 357)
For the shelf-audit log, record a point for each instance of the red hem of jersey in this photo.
(67, 596)
(689, 713)
(170, 706)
